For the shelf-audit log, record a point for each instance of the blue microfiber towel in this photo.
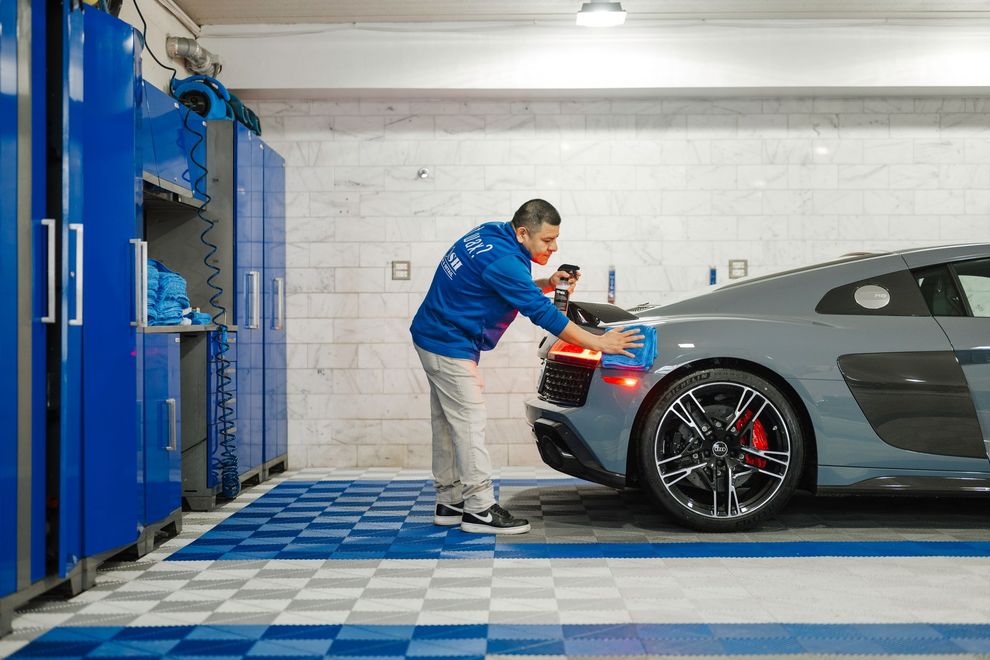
(172, 301)
(643, 356)
(152, 293)
(199, 318)
(171, 287)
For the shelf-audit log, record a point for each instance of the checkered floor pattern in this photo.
(382, 584)
(394, 520)
(477, 641)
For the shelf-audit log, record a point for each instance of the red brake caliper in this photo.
(757, 439)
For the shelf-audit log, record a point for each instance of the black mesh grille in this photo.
(565, 384)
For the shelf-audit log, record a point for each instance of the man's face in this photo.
(541, 244)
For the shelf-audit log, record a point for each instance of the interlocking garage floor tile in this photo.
(273, 571)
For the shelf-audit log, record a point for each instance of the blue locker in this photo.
(49, 251)
(8, 297)
(70, 279)
(42, 234)
(167, 143)
(162, 424)
(27, 245)
(249, 304)
(276, 413)
(109, 315)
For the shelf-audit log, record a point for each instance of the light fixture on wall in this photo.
(601, 14)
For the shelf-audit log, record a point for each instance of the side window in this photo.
(974, 277)
(939, 291)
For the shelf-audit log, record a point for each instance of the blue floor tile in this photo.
(474, 641)
(604, 646)
(376, 520)
(447, 647)
(363, 647)
(290, 647)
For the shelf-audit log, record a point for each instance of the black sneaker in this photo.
(494, 520)
(448, 514)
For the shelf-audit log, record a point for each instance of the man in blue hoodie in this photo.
(482, 281)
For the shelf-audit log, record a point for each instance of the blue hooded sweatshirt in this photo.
(483, 280)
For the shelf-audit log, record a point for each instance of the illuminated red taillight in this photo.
(574, 354)
(625, 381)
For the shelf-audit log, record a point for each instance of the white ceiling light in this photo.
(601, 14)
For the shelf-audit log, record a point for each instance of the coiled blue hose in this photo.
(224, 465)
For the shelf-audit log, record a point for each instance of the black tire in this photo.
(689, 473)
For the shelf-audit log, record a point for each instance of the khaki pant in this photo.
(462, 468)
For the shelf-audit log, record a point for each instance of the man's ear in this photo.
(520, 236)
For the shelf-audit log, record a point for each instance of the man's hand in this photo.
(563, 273)
(617, 341)
(613, 341)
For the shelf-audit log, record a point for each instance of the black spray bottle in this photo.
(561, 294)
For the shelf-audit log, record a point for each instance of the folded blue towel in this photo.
(171, 287)
(199, 318)
(152, 293)
(643, 356)
(171, 302)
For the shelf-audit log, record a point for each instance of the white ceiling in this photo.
(218, 12)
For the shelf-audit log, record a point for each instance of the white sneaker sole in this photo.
(475, 528)
(446, 521)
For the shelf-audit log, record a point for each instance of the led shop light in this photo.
(601, 14)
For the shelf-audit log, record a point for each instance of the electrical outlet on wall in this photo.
(738, 268)
(401, 270)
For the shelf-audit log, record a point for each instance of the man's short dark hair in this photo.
(534, 213)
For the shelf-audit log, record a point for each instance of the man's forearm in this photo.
(575, 334)
(544, 284)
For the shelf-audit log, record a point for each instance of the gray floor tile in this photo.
(544, 591)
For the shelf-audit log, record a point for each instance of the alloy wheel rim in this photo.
(710, 454)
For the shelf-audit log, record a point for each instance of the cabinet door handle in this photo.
(144, 285)
(78, 228)
(279, 303)
(254, 320)
(140, 282)
(173, 431)
(49, 225)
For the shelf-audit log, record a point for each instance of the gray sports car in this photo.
(870, 374)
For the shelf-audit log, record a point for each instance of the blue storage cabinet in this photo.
(249, 257)
(39, 233)
(9, 288)
(107, 313)
(69, 311)
(169, 142)
(68, 265)
(31, 304)
(162, 467)
(276, 410)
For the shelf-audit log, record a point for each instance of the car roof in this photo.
(963, 247)
(947, 252)
(914, 257)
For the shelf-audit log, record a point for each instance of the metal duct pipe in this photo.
(198, 59)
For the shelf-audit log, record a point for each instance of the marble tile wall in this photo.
(662, 188)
